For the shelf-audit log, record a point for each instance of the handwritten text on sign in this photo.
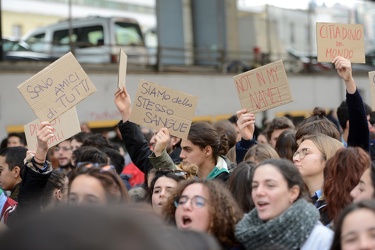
(263, 88)
(57, 88)
(346, 40)
(157, 106)
(65, 127)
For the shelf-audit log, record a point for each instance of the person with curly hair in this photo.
(204, 206)
(338, 183)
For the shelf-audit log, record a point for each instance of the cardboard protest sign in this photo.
(57, 88)
(263, 88)
(65, 127)
(346, 40)
(371, 76)
(157, 106)
(122, 69)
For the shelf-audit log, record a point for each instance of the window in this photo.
(83, 37)
(37, 42)
(128, 34)
(91, 36)
(61, 37)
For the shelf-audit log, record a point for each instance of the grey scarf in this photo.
(288, 231)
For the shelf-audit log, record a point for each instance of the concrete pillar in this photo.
(174, 29)
(196, 31)
(215, 29)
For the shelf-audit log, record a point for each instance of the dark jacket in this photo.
(137, 146)
(31, 190)
(359, 134)
(242, 147)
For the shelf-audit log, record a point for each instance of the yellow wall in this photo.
(109, 124)
(27, 21)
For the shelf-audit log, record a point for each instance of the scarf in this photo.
(288, 231)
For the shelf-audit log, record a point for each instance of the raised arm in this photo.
(160, 158)
(134, 140)
(246, 125)
(359, 134)
(36, 173)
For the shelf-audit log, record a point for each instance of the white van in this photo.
(94, 40)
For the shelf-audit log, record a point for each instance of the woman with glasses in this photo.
(310, 160)
(365, 189)
(96, 184)
(204, 206)
(282, 218)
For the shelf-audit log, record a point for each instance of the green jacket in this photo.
(221, 171)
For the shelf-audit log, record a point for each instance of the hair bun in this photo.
(318, 111)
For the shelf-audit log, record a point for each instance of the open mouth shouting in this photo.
(262, 205)
(186, 222)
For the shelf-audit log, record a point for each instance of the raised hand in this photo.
(246, 124)
(162, 139)
(344, 70)
(45, 132)
(123, 103)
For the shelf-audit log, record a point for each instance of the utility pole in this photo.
(1, 34)
(71, 45)
(269, 33)
(309, 28)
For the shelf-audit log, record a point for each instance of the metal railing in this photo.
(164, 59)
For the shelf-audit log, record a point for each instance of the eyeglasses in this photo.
(302, 153)
(176, 172)
(63, 148)
(85, 166)
(196, 202)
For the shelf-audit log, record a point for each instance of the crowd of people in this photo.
(228, 185)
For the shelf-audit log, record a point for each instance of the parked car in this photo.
(299, 62)
(28, 56)
(8, 43)
(21, 52)
(93, 39)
